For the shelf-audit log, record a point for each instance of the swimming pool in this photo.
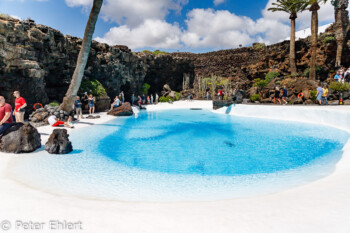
(184, 155)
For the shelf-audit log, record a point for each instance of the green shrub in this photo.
(328, 39)
(147, 52)
(178, 96)
(258, 46)
(337, 86)
(5, 16)
(54, 104)
(260, 83)
(319, 70)
(271, 75)
(255, 97)
(268, 78)
(158, 52)
(313, 95)
(165, 99)
(145, 88)
(93, 87)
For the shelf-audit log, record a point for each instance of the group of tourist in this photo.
(342, 75)
(322, 94)
(7, 115)
(277, 96)
(142, 100)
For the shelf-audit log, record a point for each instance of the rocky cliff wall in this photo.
(39, 61)
(246, 64)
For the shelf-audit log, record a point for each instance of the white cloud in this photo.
(142, 24)
(74, 3)
(135, 12)
(16, 17)
(216, 29)
(152, 33)
(325, 15)
(217, 2)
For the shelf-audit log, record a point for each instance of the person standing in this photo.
(20, 104)
(78, 109)
(319, 94)
(208, 95)
(122, 96)
(5, 115)
(91, 101)
(152, 100)
(143, 99)
(324, 94)
(277, 96)
(132, 99)
(284, 95)
(220, 94)
(347, 76)
(139, 101)
(157, 98)
(148, 100)
(341, 72)
(85, 101)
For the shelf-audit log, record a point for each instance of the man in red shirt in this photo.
(5, 115)
(20, 104)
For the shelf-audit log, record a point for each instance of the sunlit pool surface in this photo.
(184, 155)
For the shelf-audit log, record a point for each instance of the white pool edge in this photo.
(321, 206)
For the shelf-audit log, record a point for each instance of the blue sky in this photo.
(171, 25)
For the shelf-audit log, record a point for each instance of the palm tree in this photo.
(74, 86)
(314, 7)
(341, 23)
(292, 7)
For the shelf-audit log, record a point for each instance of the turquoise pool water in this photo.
(183, 155)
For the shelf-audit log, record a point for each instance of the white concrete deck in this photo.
(321, 207)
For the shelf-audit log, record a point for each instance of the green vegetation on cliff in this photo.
(337, 86)
(165, 99)
(93, 87)
(145, 88)
(261, 83)
(255, 97)
(156, 52)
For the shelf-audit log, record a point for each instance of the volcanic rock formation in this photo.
(20, 138)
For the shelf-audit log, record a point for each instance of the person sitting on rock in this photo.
(54, 122)
(116, 103)
(20, 104)
(5, 115)
(337, 77)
